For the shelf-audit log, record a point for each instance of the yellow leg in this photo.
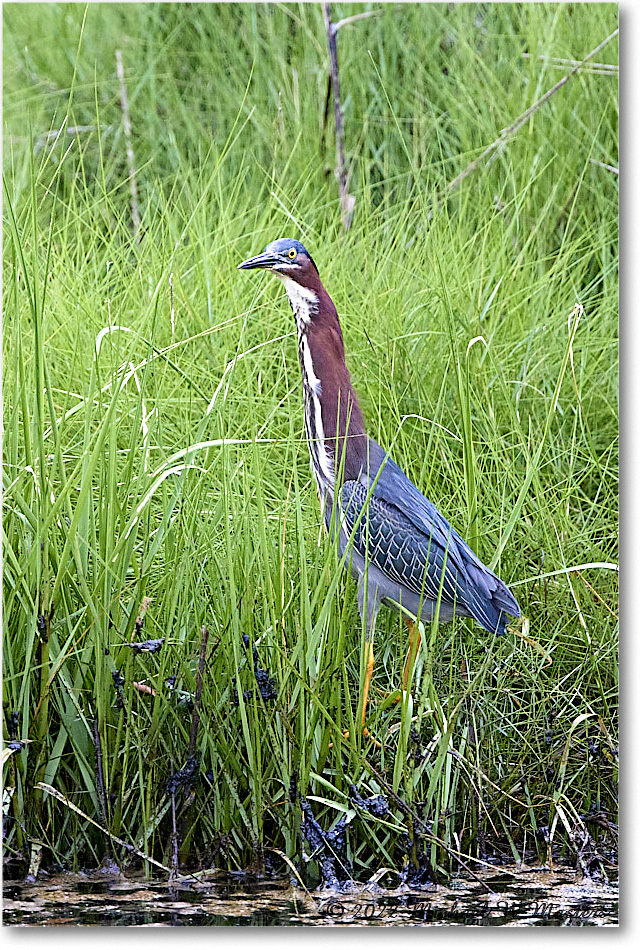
(413, 648)
(370, 662)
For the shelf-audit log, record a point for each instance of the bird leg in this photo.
(413, 649)
(369, 601)
(370, 662)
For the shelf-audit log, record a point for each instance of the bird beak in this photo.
(264, 260)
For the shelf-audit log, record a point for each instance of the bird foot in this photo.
(365, 734)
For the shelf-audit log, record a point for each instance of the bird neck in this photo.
(303, 300)
(334, 424)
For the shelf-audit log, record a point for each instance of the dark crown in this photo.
(283, 245)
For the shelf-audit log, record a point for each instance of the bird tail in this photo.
(492, 606)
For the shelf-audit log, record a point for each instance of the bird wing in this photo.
(412, 543)
(388, 539)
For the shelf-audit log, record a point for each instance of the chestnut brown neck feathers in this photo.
(333, 421)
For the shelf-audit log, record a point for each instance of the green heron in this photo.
(401, 550)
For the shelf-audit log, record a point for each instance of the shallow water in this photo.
(519, 897)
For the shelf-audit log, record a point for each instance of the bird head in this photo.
(286, 258)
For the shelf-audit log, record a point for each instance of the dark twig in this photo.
(510, 130)
(100, 786)
(196, 714)
(341, 172)
(131, 163)
(44, 787)
(174, 856)
(326, 113)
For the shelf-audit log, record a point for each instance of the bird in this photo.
(399, 547)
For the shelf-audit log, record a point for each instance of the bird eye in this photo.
(292, 253)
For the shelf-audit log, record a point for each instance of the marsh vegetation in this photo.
(156, 476)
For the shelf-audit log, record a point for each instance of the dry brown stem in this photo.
(131, 163)
(341, 172)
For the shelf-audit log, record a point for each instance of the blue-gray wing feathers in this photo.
(413, 545)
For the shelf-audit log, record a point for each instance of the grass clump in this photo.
(154, 443)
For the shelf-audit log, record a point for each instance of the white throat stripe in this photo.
(302, 300)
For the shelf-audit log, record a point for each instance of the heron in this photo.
(400, 548)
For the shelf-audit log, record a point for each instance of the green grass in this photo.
(154, 443)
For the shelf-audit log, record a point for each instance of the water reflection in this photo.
(534, 897)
